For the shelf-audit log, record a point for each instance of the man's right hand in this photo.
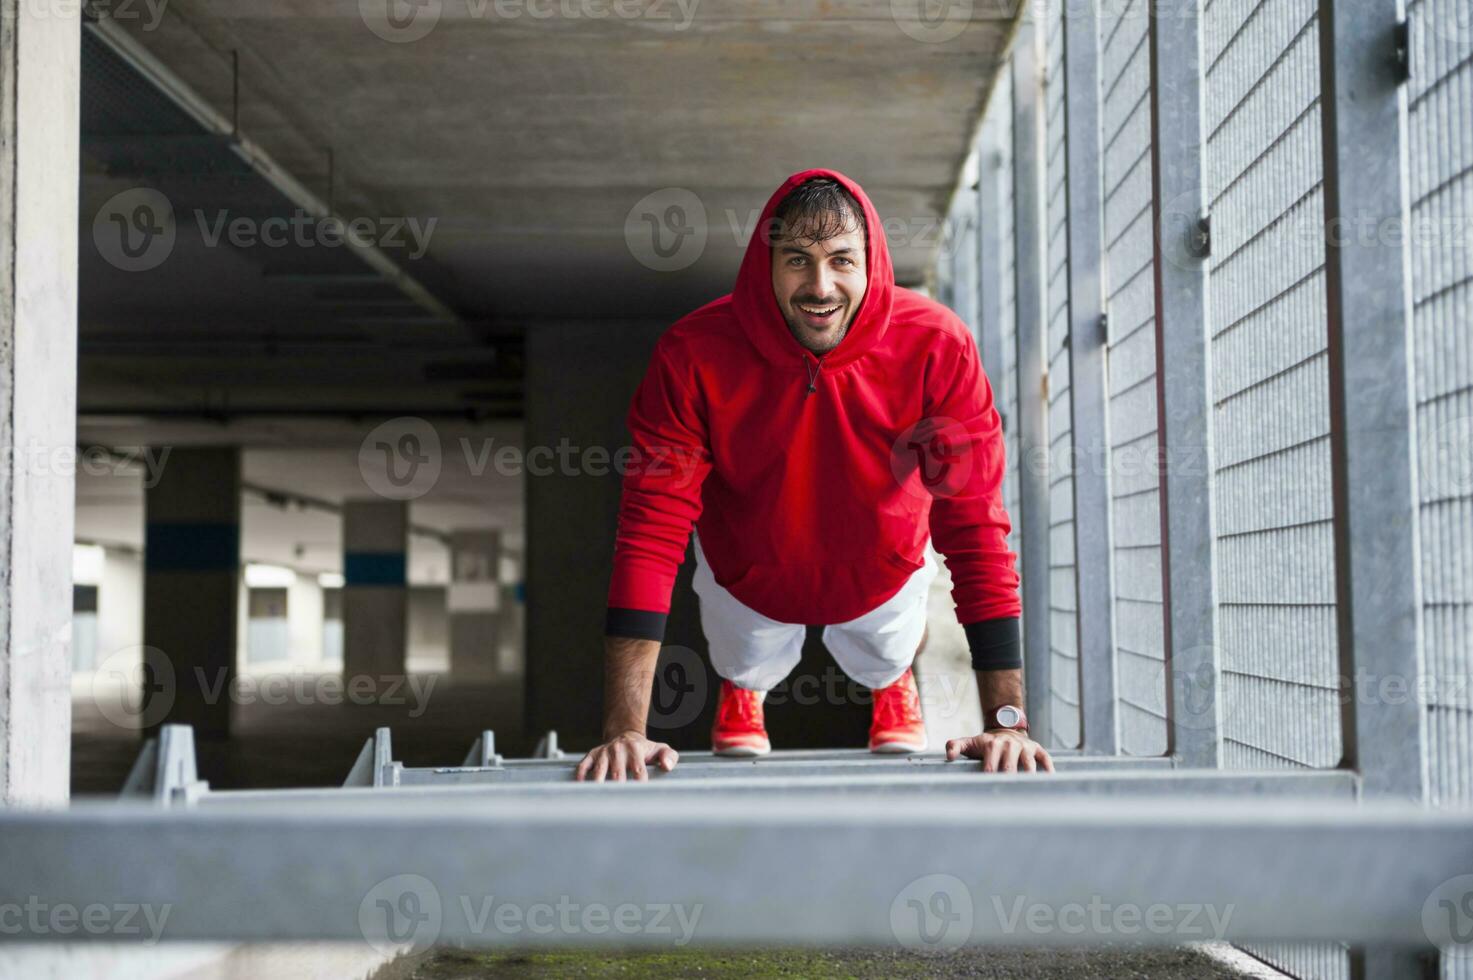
(628, 753)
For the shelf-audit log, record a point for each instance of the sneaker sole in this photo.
(742, 751)
(898, 748)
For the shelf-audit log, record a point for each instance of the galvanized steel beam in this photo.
(760, 869)
(1183, 379)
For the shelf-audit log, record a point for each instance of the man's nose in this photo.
(821, 282)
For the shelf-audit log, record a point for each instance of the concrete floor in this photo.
(996, 964)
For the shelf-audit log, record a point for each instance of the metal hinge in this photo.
(1105, 329)
(1403, 36)
(1200, 244)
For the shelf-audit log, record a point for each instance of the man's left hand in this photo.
(1003, 750)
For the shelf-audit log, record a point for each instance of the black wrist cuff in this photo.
(635, 624)
(995, 644)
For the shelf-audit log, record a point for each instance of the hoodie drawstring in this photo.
(813, 374)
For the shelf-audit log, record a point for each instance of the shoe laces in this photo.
(740, 707)
(899, 705)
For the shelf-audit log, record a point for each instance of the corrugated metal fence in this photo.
(1280, 682)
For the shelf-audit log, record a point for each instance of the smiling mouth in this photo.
(819, 314)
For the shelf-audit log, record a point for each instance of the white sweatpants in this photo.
(756, 653)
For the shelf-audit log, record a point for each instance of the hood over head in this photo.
(756, 307)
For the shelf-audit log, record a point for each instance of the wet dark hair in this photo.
(821, 207)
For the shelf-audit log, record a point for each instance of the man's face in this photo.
(819, 285)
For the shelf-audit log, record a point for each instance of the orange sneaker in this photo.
(739, 729)
(897, 724)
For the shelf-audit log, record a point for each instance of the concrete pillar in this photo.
(191, 588)
(304, 615)
(474, 603)
(375, 593)
(119, 608)
(511, 630)
(39, 90)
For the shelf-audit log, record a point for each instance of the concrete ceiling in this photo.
(527, 148)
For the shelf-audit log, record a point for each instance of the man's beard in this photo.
(805, 337)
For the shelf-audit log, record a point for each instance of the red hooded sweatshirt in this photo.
(814, 507)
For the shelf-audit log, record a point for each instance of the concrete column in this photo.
(474, 603)
(119, 603)
(304, 615)
(191, 589)
(375, 593)
(39, 91)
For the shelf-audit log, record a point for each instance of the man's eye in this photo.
(843, 261)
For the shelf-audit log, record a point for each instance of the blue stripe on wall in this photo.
(374, 568)
(191, 547)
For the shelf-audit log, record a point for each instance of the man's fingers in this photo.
(619, 763)
(1046, 759)
(584, 766)
(994, 753)
(1010, 754)
(600, 764)
(971, 748)
(1025, 760)
(665, 757)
